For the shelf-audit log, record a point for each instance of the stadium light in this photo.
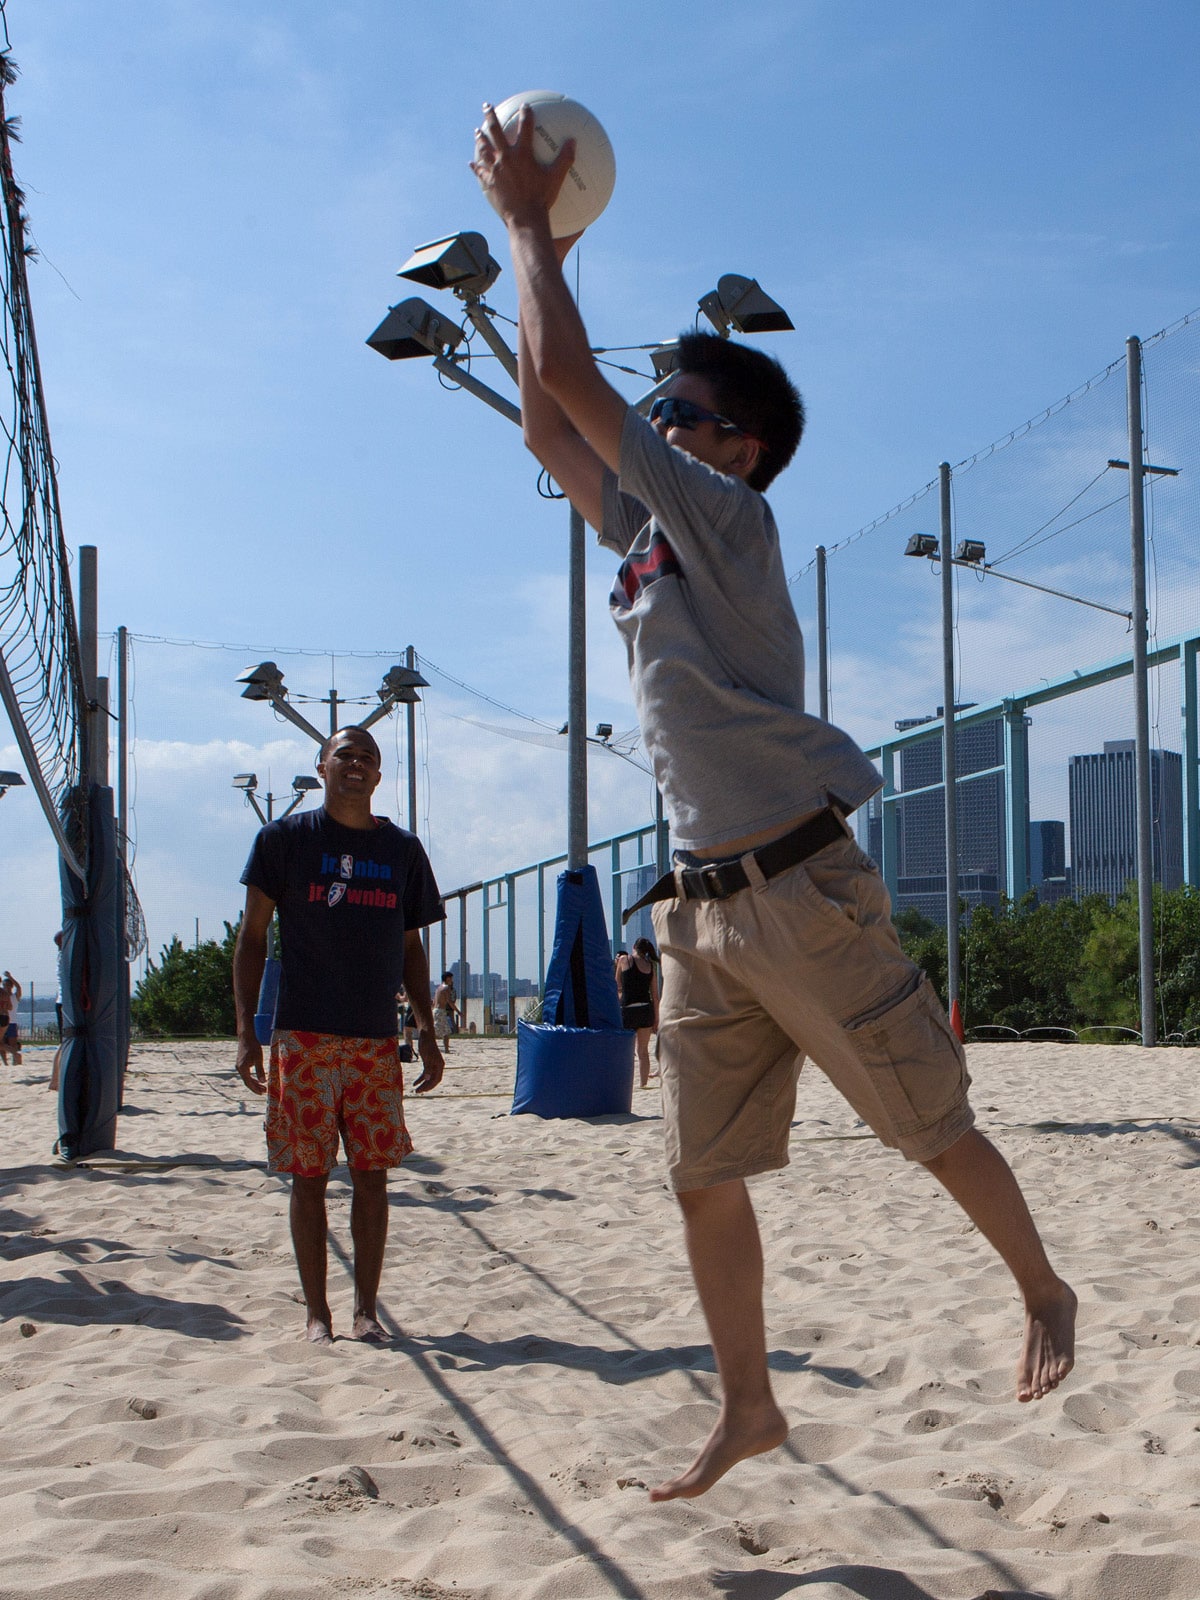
(461, 263)
(665, 359)
(265, 682)
(412, 329)
(247, 782)
(922, 544)
(10, 780)
(741, 305)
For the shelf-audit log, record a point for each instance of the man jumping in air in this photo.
(774, 929)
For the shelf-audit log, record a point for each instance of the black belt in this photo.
(718, 882)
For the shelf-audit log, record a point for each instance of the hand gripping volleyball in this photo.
(588, 185)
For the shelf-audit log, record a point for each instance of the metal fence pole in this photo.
(577, 807)
(510, 890)
(462, 953)
(1141, 692)
(822, 635)
(1191, 766)
(949, 764)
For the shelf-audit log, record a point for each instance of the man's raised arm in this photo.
(573, 417)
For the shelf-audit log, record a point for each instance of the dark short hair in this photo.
(360, 734)
(752, 389)
(447, 977)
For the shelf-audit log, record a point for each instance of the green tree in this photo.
(1021, 963)
(1107, 985)
(189, 991)
(924, 943)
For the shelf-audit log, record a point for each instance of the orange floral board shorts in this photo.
(322, 1085)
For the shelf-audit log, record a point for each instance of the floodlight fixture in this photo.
(396, 680)
(604, 730)
(414, 329)
(245, 780)
(972, 551)
(665, 359)
(303, 783)
(263, 682)
(922, 544)
(460, 262)
(10, 780)
(743, 306)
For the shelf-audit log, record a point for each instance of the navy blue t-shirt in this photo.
(346, 898)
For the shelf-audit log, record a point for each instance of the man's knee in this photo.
(309, 1191)
(716, 1198)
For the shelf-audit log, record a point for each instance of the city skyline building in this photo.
(921, 820)
(1103, 809)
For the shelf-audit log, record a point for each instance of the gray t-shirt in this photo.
(716, 658)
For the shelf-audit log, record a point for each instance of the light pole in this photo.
(972, 553)
(399, 687)
(247, 782)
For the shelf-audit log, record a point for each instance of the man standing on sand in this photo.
(774, 928)
(353, 892)
(445, 1010)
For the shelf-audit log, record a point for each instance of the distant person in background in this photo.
(58, 993)
(58, 1012)
(637, 988)
(353, 892)
(408, 1024)
(445, 1010)
(10, 1034)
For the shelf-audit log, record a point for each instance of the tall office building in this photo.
(921, 821)
(1048, 876)
(1104, 818)
(1047, 851)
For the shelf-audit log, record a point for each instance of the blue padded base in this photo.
(573, 1072)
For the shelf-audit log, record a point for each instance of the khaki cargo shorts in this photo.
(803, 964)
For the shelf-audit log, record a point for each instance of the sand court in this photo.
(168, 1433)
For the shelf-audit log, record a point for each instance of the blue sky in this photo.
(965, 209)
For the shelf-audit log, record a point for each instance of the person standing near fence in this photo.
(774, 928)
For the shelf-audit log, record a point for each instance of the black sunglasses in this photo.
(676, 413)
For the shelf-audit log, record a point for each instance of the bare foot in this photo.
(1048, 1353)
(368, 1330)
(729, 1442)
(319, 1331)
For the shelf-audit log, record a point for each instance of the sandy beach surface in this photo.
(167, 1434)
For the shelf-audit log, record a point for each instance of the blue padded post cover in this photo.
(90, 1076)
(581, 990)
(268, 999)
(579, 1061)
(573, 1072)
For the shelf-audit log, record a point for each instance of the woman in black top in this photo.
(637, 986)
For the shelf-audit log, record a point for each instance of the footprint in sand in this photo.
(929, 1420)
(1092, 1415)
